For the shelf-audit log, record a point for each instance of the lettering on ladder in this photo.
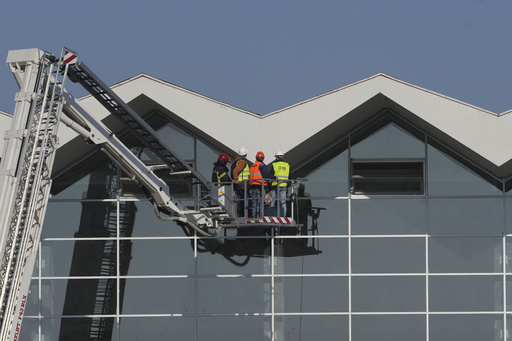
(20, 317)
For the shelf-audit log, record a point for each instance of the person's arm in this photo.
(238, 169)
(264, 171)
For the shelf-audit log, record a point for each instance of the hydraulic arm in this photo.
(26, 168)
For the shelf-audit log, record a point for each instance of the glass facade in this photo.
(432, 266)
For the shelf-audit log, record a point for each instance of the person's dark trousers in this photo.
(240, 193)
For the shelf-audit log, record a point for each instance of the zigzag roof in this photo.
(302, 129)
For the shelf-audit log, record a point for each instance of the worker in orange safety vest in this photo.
(257, 175)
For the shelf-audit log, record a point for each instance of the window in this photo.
(387, 177)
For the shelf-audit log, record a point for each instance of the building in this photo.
(408, 238)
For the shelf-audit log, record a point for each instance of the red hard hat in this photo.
(223, 158)
(260, 154)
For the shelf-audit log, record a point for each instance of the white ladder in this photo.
(22, 231)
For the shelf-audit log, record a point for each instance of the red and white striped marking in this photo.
(279, 220)
(69, 57)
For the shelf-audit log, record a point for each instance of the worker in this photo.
(220, 172)
(257, 175)
(240, 175)
(279, 171)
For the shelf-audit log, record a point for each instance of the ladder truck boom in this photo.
(26, 168)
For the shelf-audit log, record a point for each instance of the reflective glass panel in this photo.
(93, 178)
(389, 142)
(206, 156)
(30, 330)
(62, 219)
(466, 327)
(449, 177)
(158, 296)
(388, 294)
(157, 328)
(508, 259)
(77, 296)
(315, 328)
(388, 216)
(177, 140)
(389, 328)
(80, 219)
(465, 216)
(509, 296)
(77, 328)
(388, 255)
(313, 256)
(246, 328)
(465, 254)
(147, 224)
(465, 293)
(311, 294)
(329, 217)
(65, 258)
(233, 295)
(508, 215)
(331, 179)
(32, 300)
(233, 256)
(159, 257)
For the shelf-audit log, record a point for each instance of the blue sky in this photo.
(264, 55)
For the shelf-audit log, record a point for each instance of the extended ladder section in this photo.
(25, 173)
(207, 212)
(27, 178)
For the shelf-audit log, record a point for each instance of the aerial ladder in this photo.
(26, 168)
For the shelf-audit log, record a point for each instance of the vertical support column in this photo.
(25, 67)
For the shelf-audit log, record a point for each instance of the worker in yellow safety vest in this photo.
(279, 172)
(240, 175)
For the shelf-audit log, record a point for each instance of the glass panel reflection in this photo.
(388, 294)
(245, 295)
(78, 328)
(77, 219)
(78, 296)
(466, 293)
(331, 256)
(30, 330)
(311, 294)
(466, 327)
(389, 327)
(331, 179)
(234, 255)
(158, 296)
(176, 138)
(156, 328)
(147, 224)
(160, 257)
(330, 217)
(389, 142)
(465, 216)
(388, 255)
(93, 178)
(206, 156)
(508, 214)
(465, 254)
(79, 258)
(32, 302)
(222, 328)
(388, 216)
(449, 177)
(315, 328)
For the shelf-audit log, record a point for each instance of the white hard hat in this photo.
(242, 151)
(279, 153)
